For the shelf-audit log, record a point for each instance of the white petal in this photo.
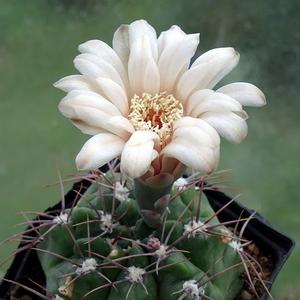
(222, 61)
(121, 126)
(195, 99)
(81, 104)
(76, 82)
(121, 44)
(151, 81)
(195, 143)
(138, 153)
(199, 157)
(99, 150)
(90, 112)
(245, 93)
(191, 81)
(87, 128)
(207, 71)
(105, 52)
(176, 55)
(115, 94)
(229, 125)
(126, 34)
(94, 67)
(167, 37)
(216, 102)
(197, 130)
(139, 28)
(141, 67)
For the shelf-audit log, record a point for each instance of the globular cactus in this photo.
(103, 248)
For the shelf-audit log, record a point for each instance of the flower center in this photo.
(157, 113)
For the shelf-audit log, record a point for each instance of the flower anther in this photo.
(156, 113)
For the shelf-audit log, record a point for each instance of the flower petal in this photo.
(196, 144)
(121, 126)
(206, 71)
(222, 61)
(195, 99)
(167, 37)
(121, 44)
(174, 57)
(138, 153)
(125, 36)
(93, 67)
(196, 130)
(142, 70)
(79, 104)
(87, 128)
(89, 111)
(98, 150)
(77, 82)
(245, 93)
(139, 28)
(216, 102)
(105, 52)
(115, 94)
(201, 159)
(229, 125)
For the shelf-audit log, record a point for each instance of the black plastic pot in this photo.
(269, 240)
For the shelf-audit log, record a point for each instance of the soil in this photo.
(266, 264)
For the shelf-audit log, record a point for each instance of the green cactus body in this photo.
(105, 249)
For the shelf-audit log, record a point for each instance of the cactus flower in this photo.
(142, 101)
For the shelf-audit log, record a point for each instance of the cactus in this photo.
(142, 231)
(103, 248)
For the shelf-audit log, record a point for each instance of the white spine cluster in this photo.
(135, 274)
(107, 223)
(192, 288)
(193, 228)
(61, 219)
(121, 191)
(162, 251)
(236, 245)
(87, 266)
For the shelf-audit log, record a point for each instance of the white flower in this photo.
(141, 102)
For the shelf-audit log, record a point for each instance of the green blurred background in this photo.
(38, 41)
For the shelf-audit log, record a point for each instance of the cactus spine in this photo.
(112, 246)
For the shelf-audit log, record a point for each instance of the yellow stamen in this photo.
(157, 113)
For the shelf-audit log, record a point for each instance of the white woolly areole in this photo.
(192, 288)
(236, 245)
(180, 183)
(121, 192)
(61, 219)
(193, 228)
(135, 274)
(87, 266)
(162, 251)
(107, 223)
(57, 297)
